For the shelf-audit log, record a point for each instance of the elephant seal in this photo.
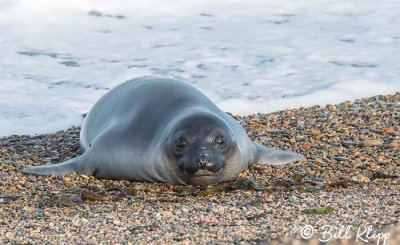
(163, 130)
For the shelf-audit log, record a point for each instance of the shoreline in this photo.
(348, 101)
(350, 177)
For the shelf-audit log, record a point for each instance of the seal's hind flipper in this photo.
(60, 169)
(274, 156)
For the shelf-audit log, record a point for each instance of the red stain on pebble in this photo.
(306, 146)
(390, 131)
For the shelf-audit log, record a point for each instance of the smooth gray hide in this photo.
(163, 130)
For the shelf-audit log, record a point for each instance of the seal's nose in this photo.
(204, 158)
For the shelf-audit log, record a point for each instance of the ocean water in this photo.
(57, 58)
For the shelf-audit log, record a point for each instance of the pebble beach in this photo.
(350, 177)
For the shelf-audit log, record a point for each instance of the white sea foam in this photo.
(58, 58)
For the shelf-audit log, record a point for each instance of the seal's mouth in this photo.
(202, 172)
(204, 179)
(205, 173)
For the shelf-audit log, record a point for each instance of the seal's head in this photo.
(202, 146)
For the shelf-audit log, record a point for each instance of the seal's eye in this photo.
(219, 140)
(180, 144)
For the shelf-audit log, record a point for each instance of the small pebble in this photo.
(369, 143)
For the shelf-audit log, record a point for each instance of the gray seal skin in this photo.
(163, 130)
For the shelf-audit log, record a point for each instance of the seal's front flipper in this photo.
(274, 156)
(73, 165)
